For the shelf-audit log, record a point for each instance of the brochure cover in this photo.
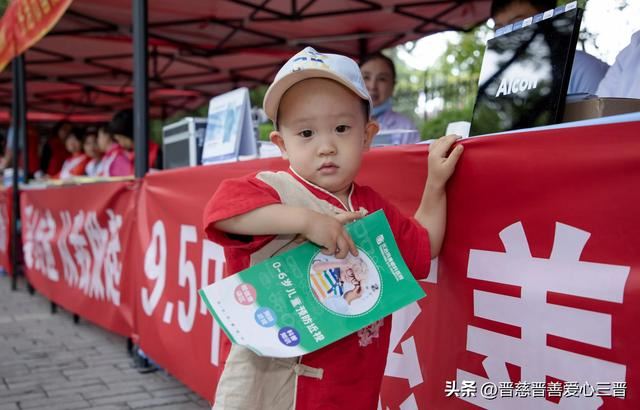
(302, 300)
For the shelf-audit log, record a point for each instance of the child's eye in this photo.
(305, 133)
(340, 129)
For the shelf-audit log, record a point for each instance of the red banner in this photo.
(25, 22)
(75, 242)
(5, 229)
(537, 291)
(535, 294)
(173, 324)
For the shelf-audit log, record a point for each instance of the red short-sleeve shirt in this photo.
(353, 366)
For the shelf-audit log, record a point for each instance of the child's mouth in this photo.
(328, 169)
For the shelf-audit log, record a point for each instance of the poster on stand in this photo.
(229, 135)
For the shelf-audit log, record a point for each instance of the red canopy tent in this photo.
(82, 70)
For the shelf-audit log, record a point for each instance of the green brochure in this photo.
(302, 300)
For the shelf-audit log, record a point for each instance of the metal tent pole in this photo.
(140, 88)
(22, 126)
(18, 122)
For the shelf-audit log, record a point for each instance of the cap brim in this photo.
(279, 88)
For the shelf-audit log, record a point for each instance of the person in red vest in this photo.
(90, 147)
(33, 139)
(76, 163)
(114, 162)
(121, 127)
(54, 152)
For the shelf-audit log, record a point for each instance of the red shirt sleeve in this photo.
(411, 237)
(236, 197)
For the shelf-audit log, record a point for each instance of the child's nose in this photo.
(327, 146)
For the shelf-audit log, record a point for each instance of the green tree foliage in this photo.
(453, 81)
(409, 85)
(3, 6)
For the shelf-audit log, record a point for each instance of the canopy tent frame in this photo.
(161, 46)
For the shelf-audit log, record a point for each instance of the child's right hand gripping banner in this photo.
(302, 300)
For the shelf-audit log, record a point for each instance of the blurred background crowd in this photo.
(66, 150)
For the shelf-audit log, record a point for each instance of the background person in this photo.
(91, 150)
(121, 127)
(379, 75)
(54, 152)
(115, 162)
(623, 78)
(587, 71)
(76, 162)
(34, 146)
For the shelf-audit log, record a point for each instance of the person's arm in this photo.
(432, 211)
(5, 161)
(277, 219)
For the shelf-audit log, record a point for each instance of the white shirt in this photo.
(623, 78)
(586, 73)
(93, 167)
(389, 121)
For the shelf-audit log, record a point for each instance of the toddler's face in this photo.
(323, 133)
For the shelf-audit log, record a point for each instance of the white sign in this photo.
(229, 133)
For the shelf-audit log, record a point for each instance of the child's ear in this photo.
(277, 139)
(370, 131)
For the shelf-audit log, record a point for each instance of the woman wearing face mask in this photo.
(379, 75)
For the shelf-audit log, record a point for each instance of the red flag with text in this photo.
(24, 22)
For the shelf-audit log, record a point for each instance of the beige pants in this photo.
(252, 382)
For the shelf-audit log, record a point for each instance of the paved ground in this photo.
(48, 362)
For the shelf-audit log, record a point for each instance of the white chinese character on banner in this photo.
(30, 218)
(85, 248)
(69, 267)
(39, 234)
(562, 273)
(112, 264)
(80, 251)
(98, 238)
(45, 234)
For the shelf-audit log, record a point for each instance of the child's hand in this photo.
(343, 217)
(441, 166)
(328, 232)
(346, 217)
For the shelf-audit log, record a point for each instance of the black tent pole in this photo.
(19, 122)
(24, 141)
(140, 88)
(363, 48)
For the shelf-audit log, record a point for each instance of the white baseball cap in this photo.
(308, 63)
